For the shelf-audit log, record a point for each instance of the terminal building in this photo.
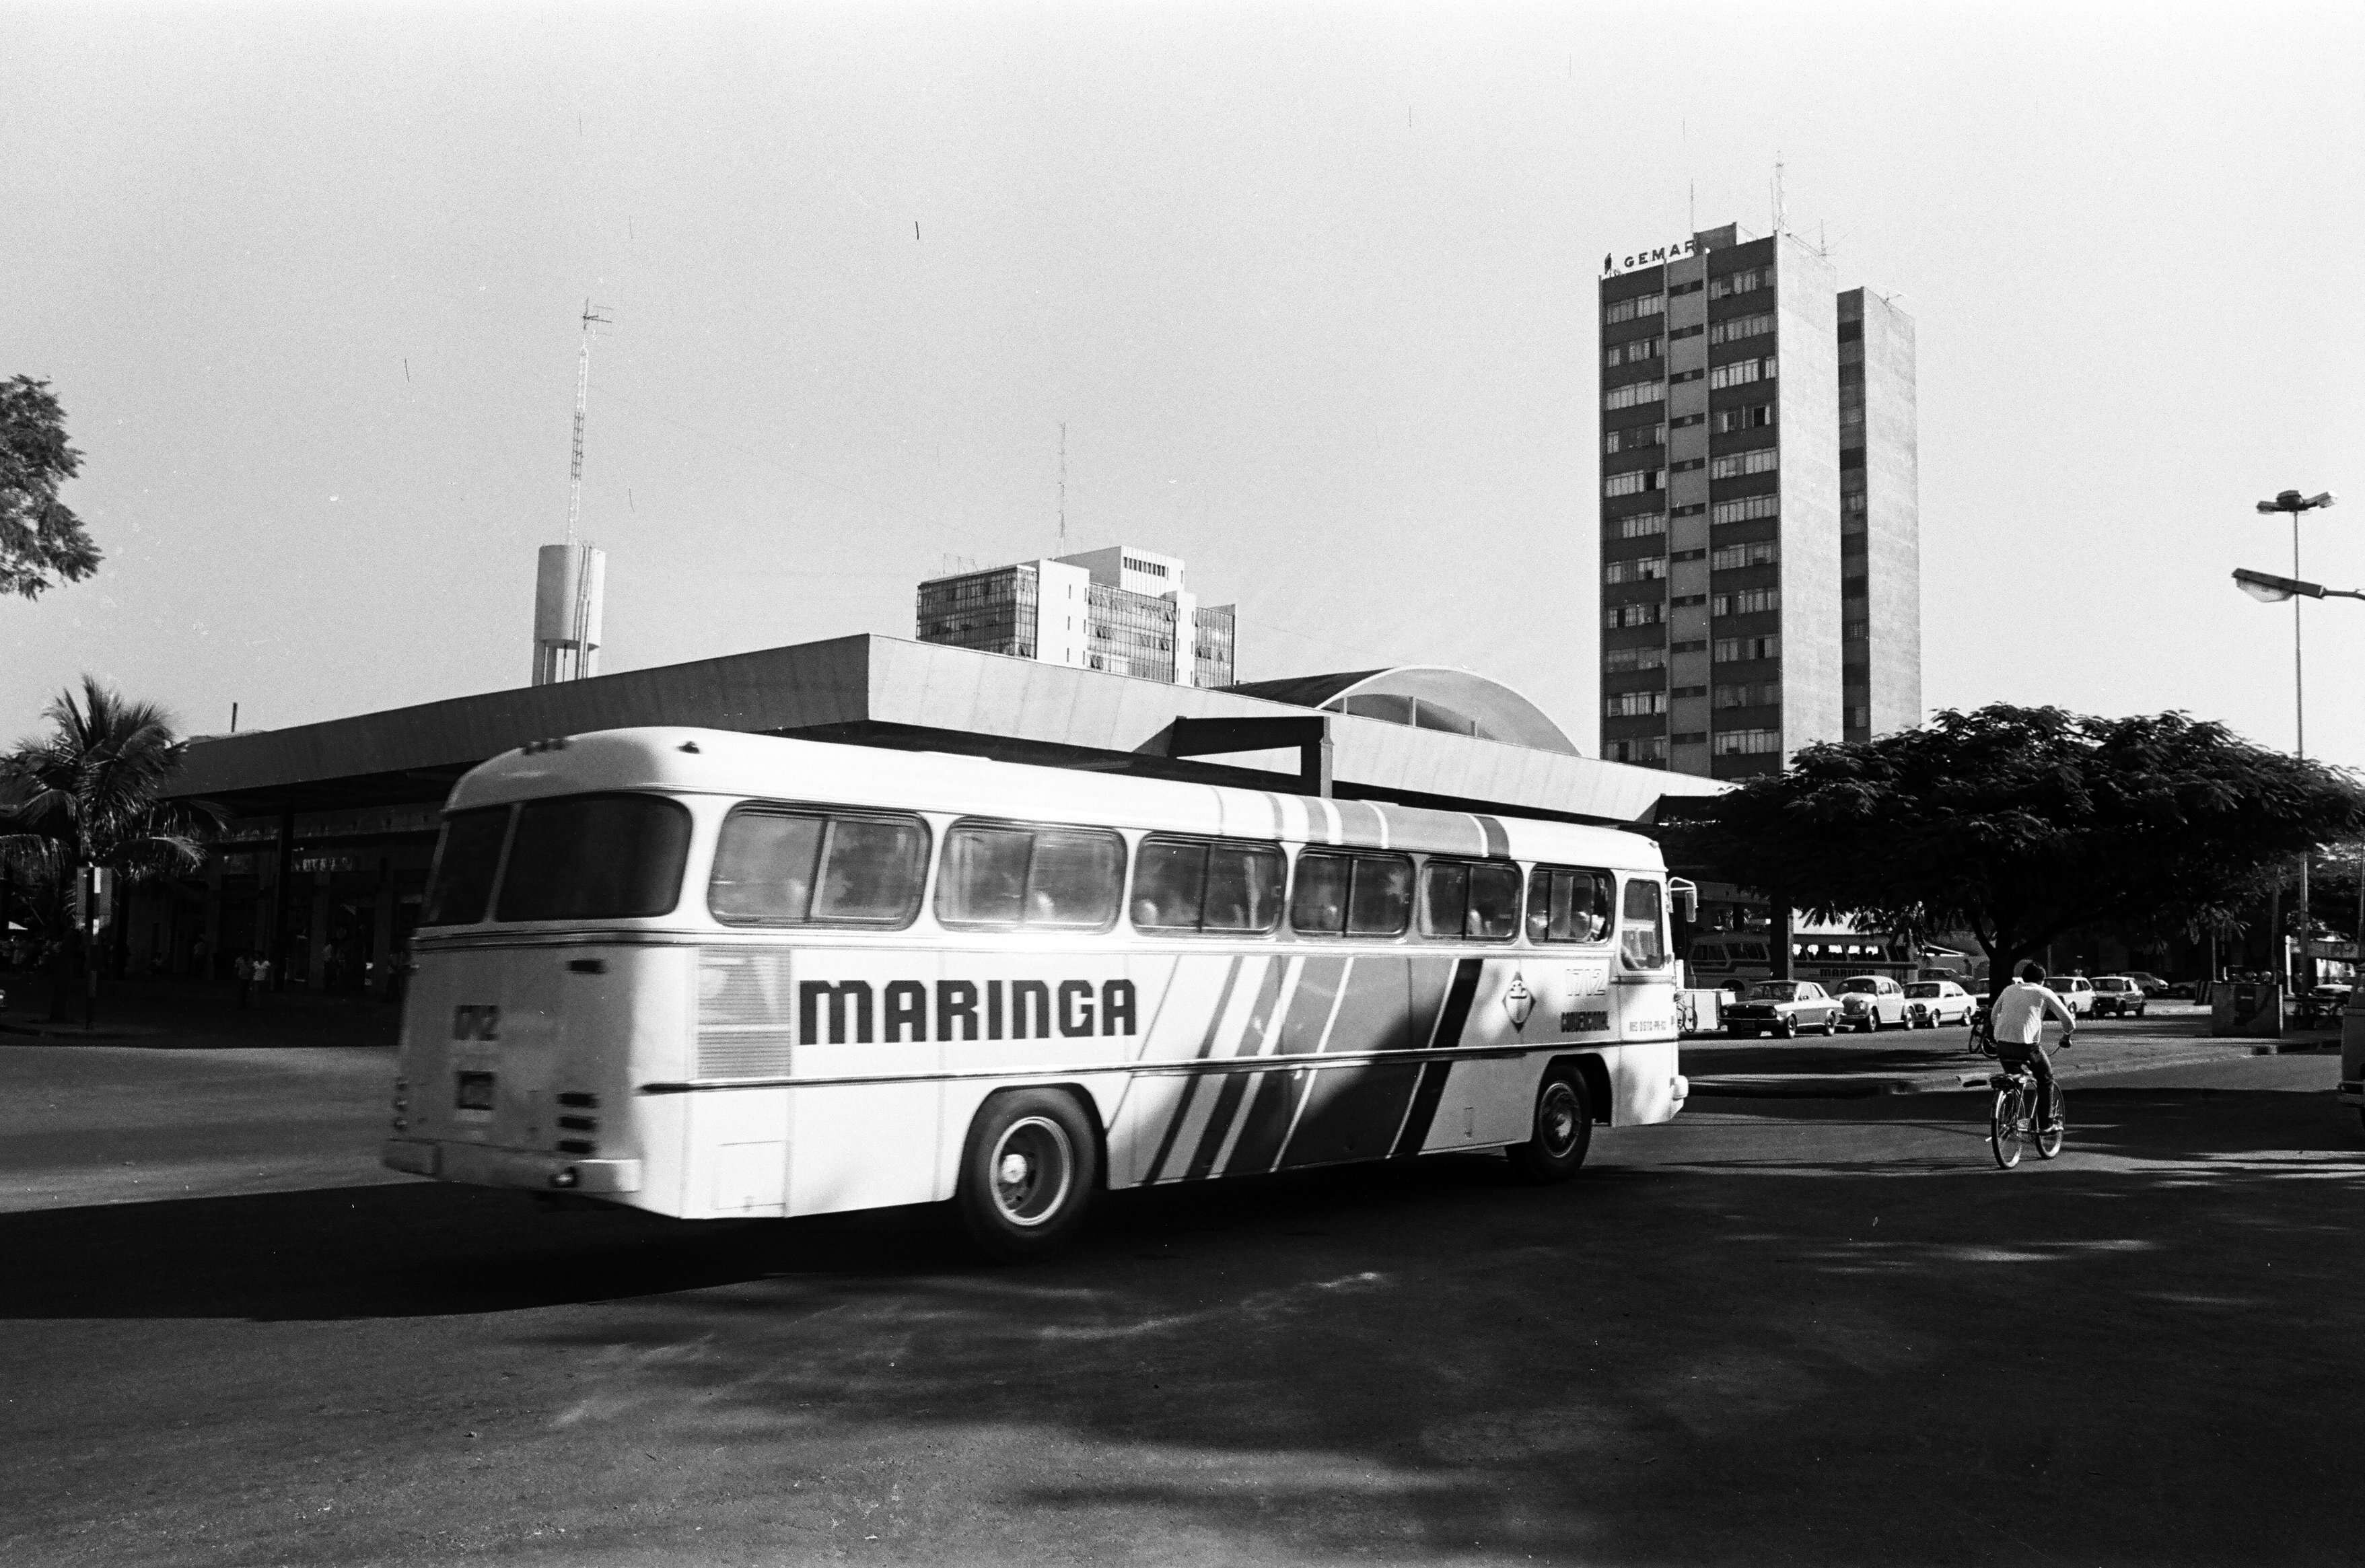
(1122, 610)
(332, 826)
(1760, 521)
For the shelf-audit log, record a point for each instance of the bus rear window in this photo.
(596, 857)
(793, 868)
(465, 864)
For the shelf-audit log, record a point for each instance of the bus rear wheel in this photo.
(1562, 1132)
(1029, 1173)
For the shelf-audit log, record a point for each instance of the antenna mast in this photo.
(1063, 487)
(582, 401)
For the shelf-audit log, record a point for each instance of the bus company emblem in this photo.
(1518, 1000)
(843, 1011)
(475, 1021)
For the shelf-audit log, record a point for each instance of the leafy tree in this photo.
(40, 537)
(2020, 823)
(87, 794)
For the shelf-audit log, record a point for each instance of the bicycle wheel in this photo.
(2003, 1128)
(2048, 1144)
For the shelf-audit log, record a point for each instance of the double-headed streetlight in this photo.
(2272, 590)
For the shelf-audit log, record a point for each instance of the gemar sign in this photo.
(1613, 265)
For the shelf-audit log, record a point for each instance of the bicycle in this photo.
(2012, 1121)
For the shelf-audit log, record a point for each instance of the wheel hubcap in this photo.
(1032, 1165)
(1556, 1119)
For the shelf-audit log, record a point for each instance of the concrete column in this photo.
(382, 934)
(316, 980)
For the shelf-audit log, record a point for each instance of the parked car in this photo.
(2322, 1007)
(2076, 991)
(1928, 1003)
(2118, 996)
(2153, 986)
(1871, 1001)
(1787, 1008)
(2181, 991)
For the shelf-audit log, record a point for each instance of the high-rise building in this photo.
(1122, 609)
(1760, 555)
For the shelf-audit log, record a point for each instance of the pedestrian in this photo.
(262, 972)
(243, 968)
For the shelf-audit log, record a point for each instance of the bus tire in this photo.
(1563, 1131)
(1029, 1173)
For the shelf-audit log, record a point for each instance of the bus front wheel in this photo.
(1029, 1173)
(1562, 1132)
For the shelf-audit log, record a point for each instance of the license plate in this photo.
(474, 1091)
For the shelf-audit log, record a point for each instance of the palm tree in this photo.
(87, 795)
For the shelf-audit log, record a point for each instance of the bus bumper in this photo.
(481, 1167)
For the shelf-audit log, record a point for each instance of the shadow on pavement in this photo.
(2145, 1347)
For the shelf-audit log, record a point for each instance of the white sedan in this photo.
(2075, 990)
(1928, 1003)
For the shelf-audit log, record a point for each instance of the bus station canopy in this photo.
(1420, 735)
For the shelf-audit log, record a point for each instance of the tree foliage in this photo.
(41, 540)
(2017, 824)
(88, 792)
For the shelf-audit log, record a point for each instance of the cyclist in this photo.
(2017, 1024)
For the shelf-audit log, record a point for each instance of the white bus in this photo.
(718, 975)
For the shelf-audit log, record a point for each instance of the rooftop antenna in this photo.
(570, 579)
(1781, 213)
(591, 316)
(1063, 487)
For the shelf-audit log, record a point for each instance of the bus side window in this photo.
(1318, 904)
(1077, 878)
(1494, 901)
(1568, 905)
(1170, 884)
(764, 865)
(872, 870)
(1379, 901)
(1465, 902)
(1244, 886)
(783, 867)
(1644, 941)
(1444, 899)
(1183, 884)
(1004, 875)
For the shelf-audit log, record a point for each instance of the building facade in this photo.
(1760, 558)
(1122, 610)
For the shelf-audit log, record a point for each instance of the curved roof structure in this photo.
(1426, 697)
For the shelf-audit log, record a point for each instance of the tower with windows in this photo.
(1759, 533)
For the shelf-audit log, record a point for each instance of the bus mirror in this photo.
(1687, 903)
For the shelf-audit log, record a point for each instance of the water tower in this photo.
(569, 586)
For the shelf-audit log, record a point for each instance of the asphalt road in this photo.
(1822, 1331)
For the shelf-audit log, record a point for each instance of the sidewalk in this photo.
(1935, 1061)
(173, 1014)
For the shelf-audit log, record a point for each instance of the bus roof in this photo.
(725, 762)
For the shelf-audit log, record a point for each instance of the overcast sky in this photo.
(1311, 287)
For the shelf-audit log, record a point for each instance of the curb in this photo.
(1838, 1086)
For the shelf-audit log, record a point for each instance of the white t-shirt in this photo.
(2019, 1014)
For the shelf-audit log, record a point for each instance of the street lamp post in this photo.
(2269, 590)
